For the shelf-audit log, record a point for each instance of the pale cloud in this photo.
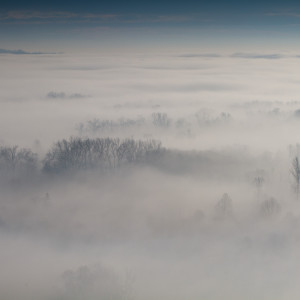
(20, 52)
(62, 95)
(283, 14)
(257, 55)
(35, 17)
(195, 55)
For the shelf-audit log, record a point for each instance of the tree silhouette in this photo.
(295, 171)
(14, 159)
(258, 182)
(104, 153)
(224, 207)
(270, 207)
(161, 120)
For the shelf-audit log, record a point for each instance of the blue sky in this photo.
(154, 6)
(38, 25)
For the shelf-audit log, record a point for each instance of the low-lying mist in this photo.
(149, 177)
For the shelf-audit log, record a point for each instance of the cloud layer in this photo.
(21, 52)
(214, 209)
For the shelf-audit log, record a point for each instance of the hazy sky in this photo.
(155, 6)
(97, 25)
(214, 215)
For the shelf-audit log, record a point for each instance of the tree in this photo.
(270, 207)
(96, 282)
(295, 171)
(161, 120)
(258, 182)
(224, 207)
(17, 160)
(105, 153)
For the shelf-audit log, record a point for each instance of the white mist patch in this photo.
(149, 176)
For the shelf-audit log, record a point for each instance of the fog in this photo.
(149, 176)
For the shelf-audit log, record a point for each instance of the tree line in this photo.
(79, 154)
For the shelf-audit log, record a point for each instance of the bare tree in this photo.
(161, 120)
(96, 282)
(104, 153)
(224, 207)
(17, 160)
(97, 126)
(258, 182)
(295, 171)
(270, 207)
